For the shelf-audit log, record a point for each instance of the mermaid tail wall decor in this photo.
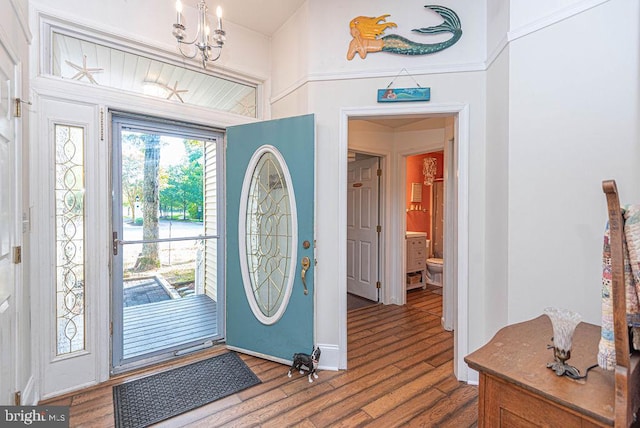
(366, 30)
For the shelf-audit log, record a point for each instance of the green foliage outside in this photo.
(180, 184)
(154, 189)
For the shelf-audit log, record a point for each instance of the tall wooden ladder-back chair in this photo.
(627, 369)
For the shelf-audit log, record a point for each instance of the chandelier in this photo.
(204, 43)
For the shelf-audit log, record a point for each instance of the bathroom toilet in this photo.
(434, 269)
(434, 265)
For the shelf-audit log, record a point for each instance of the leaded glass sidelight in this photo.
(70, 270)
(268, 232)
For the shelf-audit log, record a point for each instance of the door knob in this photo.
(305, 262)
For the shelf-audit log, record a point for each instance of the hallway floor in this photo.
(400, 374)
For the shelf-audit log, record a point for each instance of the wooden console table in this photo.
(518, 390)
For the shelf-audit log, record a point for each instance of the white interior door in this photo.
(362, 228)
(9, 219)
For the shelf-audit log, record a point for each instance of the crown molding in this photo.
(373, 74)
(554, 18)
(290, 89)
(540, 24)
(497, 51)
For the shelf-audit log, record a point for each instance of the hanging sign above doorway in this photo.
(390, 95)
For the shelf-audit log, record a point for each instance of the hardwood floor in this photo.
(400, 374)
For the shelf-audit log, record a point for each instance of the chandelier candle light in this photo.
(202, 40)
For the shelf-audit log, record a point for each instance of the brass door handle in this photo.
(305, 262)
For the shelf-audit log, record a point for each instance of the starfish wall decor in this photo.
(83, 71)
(166, 91)
(174, 91)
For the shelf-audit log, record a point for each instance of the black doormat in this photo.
(152, 399)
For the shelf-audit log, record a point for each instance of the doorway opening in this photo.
(167, 256)
(380, 125)
(424, 228)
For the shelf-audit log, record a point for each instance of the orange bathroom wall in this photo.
(418, 220)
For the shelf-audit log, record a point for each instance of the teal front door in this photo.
(270, 237)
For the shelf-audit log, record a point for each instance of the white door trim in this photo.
(396, 233)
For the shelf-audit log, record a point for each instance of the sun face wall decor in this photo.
(366, 32)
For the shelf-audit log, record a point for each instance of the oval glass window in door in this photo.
(267, 234)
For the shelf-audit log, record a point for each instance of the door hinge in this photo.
(18, 106)
(378, 228)
(378, 284)
(17, 398)
(379, 172)
(111, 328)
(17, 255)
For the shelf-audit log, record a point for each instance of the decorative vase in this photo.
(564, 324)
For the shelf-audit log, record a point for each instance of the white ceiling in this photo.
(423, 121)
(263, 16)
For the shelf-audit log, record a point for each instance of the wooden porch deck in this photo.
(168, 325)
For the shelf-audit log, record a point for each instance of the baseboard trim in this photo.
(330, 357)
(29, 393)
(473, 377)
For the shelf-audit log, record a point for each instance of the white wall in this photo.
(524, 13)
(420, 137)
(498, 14)
(497, 203)
(368, 137)
(573, 121)
(290, 49)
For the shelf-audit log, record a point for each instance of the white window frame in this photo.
(49, 24)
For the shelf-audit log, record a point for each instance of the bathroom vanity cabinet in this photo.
(416, 269)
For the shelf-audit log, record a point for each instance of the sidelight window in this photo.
(70, 234)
